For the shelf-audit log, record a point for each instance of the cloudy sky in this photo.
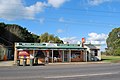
(71, 20)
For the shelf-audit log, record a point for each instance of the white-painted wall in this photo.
(91, 52)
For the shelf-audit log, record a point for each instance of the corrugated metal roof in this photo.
(43, 46)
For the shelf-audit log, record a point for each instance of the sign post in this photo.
(83, 41)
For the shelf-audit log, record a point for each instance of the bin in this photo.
(24, 62)
(18, 62)
(95, 58)
(36, 60)
(31, 62)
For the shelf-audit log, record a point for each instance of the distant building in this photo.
(6, 52)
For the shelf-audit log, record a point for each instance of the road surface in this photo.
(110, 71)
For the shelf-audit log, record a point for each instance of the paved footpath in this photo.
(6, 63)
(11, 63)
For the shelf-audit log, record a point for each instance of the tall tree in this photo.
(49, 37)
(44, 37)
(10, 33)
(113, 42)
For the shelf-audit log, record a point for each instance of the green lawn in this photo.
(110, 58)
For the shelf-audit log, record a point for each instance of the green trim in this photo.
(43, 46)
(92, 44)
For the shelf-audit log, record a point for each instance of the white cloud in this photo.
(97, 2)
(60, 31)
(71, 40)
(57, 3)
(97, 38)
(42, 20)
(36, 8)
(14, 9)
(61, 19)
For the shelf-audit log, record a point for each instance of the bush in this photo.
(117, 52)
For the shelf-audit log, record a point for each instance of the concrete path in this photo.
(6, 63)
(11, 63)
(74, 63)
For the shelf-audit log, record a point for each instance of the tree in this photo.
(57, 40)
(113, 42)
(35, 38)
(10, 33)
(49, 37)
(44, 37)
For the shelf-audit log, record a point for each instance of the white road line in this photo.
(53, 77)
(21, 77)
(85, 75)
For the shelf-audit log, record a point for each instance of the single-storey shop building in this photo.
(53, 52)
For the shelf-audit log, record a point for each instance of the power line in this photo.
(72, 9)
(6, 40)
(69, 21)
(86, 14)
(63, 8)
(84, 23)
(13, 14)
(72, 21)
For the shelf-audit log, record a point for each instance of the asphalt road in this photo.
(62, 72)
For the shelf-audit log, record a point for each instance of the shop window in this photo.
(55, 54)
(75, 54)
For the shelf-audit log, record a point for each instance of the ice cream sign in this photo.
(24, 54)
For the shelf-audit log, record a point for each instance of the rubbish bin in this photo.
(31, 62)
(24, 62)
(95, 58)
(18, 62)
(36, 60)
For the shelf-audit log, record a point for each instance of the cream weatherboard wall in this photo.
(93, 52)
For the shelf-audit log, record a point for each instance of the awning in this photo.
(94, 49)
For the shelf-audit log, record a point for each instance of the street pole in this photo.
(52, 56)
(86, 55)
(15, 53)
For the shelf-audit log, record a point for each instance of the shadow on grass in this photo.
(105, 59)
(110, 60)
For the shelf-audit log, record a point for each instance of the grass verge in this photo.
(113, 59)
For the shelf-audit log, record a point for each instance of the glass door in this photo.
(66, 56)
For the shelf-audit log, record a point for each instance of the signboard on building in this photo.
(23, 54)
(83, 40)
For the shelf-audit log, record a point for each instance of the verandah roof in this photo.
(38, 46)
